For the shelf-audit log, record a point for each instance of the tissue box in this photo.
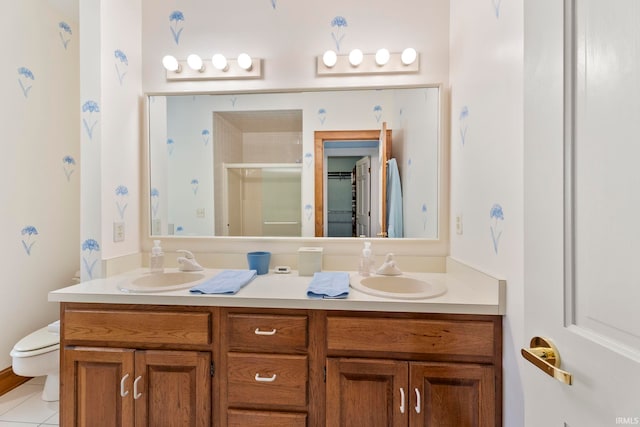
(309, 261)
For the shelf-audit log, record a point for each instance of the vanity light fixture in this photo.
(357, 62)
(170, 63)
(329, 58)
(355, 57)
(195, 63)
(409, 56)
(382, 57)
(194, 68)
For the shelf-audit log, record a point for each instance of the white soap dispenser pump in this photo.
(366, 261)
(156, 259)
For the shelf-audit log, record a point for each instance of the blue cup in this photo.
(259, 261)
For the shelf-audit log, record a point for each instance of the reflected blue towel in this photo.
(329, 285)
(395, 227)
(225, 282)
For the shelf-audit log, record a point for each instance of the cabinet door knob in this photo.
(261, 379)
(401, 400)
(259, 332)
(418, 405)
(136, 395)
(123, 392)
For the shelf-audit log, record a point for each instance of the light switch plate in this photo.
(118, 232)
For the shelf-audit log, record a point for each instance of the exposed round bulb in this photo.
(195, 62)
(244, 61)
(171, 63)
(329, 58)
(219, 62)
(382, 56)
(408, 56)
(355, 57)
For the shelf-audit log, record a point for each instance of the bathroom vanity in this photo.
(270, 356)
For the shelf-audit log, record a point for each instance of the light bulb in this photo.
(195, 62)
(329, 58)
(382, 56)
(244, 61)
(171, 63)
(355, 57)
(408, 56)
(220, 62)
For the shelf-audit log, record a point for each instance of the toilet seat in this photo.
(38, 342)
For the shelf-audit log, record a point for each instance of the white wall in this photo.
(487, 161)
(40, 173)
(110, 93)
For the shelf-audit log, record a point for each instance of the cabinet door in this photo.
(173, 388)
(96, 388)
(452, 395)
(367, 392)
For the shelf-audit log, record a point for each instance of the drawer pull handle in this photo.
(123, 392)
(259, 332)
(136, 395)
(270, 379)
(401, 400)
(417, 401)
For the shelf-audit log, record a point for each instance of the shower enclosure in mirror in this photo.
(244, 164)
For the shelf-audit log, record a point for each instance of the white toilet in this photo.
(38, 354)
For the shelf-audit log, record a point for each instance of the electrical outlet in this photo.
(118, 232)
(458, 224)
(200, 213)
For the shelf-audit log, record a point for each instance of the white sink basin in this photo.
(397, 287)
(157, 282)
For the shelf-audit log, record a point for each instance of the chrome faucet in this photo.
(188, 261)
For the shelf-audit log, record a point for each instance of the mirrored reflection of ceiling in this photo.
(264, 121)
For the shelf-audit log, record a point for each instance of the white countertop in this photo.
(468, 292)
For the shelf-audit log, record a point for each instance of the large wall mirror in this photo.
(245, 164)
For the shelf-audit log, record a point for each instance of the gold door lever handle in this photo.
(544, 355)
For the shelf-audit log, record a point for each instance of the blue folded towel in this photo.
(329, 285)
(225, 282)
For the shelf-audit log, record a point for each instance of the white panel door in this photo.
(363, 197)
(582, 204)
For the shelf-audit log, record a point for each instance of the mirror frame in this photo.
(334, 247)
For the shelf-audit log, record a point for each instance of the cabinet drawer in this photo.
(410, 336)
(268, 333)
(240, 418)
(260, 379)
(137, 327)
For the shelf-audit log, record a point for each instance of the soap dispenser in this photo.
(156, 259)
(366, 261)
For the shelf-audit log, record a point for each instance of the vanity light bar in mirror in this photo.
(217, 68)
(356, 62)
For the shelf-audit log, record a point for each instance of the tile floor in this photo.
(23, 407)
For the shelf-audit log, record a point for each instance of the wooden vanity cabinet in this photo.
(135, 366)
(413, 370)
(267, 364)
(143, 365)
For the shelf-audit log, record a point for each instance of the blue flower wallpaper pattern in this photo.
(496, 7)
(462, 123)
(89, 121)
(497, 217)
(194, 185)
(377, 113)
(122, 194)
(122, 64)
(25, 77)
(205, 136)
(65, 33)
(155, 202)
(28, 240)
(338, 23)
(322, 115)
(68, 165)
(90, 249)
(170, 145)
(176, 19)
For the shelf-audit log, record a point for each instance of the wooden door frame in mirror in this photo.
(320, 137)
